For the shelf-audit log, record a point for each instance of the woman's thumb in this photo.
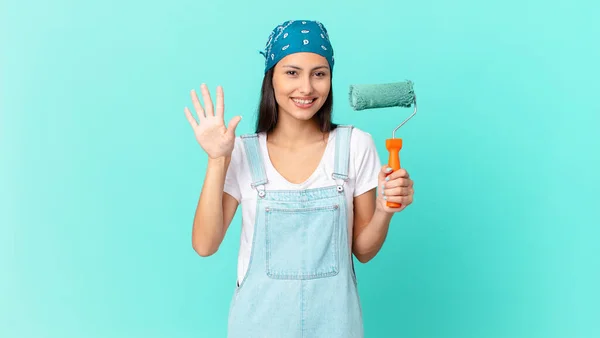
(233, 123)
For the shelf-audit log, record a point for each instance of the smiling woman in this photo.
(299, 86)
(307, 190)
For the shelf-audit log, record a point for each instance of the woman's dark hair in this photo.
(268, 113)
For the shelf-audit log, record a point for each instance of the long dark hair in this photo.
(268, 113)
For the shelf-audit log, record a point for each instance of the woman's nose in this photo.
(306, 86)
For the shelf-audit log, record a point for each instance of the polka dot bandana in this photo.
(297, 36)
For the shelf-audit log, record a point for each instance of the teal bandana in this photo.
(297, 36)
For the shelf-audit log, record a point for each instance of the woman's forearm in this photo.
(370, 240)
(208, 230)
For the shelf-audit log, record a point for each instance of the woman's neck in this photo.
(292, 133)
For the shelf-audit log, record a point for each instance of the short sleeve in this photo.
(232, 186)
(366, 162)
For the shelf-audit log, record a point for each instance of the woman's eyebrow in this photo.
(299, 68)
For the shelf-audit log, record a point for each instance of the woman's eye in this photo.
(291, 72)
(320, 74)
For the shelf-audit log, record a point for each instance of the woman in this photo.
(307, 190)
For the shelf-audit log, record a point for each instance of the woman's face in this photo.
(301, 82)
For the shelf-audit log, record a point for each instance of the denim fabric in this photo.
(300, 280)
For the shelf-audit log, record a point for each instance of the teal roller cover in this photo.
(367, 96)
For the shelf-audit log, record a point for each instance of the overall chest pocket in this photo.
(302, 243)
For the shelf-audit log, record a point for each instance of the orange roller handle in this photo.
(393, 145)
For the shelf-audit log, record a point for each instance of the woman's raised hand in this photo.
(211, 133)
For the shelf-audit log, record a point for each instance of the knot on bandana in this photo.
(297, 36)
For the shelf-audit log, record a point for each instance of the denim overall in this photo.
(300, 280)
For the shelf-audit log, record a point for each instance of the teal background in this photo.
(100, 172)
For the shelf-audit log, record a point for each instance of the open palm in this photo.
(211, 133)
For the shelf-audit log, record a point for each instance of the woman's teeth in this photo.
(303, 101)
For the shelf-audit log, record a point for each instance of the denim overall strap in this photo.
(256, 164)
(342, 155)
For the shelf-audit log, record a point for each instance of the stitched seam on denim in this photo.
(267, 243)
(319, 190)
(338, 143)
(304, 210)
(302, 195)
(259, 183)
(296, 276)
(335, 242)
(302, 286)
(340, 176)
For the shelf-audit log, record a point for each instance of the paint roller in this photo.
(397, 94)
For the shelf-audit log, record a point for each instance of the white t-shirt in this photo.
(364, 167)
